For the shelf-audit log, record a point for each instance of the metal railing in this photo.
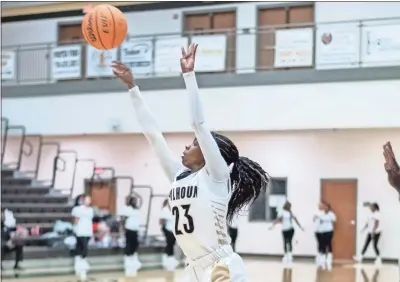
(247, 49)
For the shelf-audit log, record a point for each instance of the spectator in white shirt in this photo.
(83, 219)
(373, 225)
(325, 220)
(131, 223)
(286, 219)
(166, 221)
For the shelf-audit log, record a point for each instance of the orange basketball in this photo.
(104, 27)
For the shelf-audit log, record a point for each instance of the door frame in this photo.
(112, 184)
(356, 203)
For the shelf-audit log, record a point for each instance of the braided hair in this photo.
(248, 178)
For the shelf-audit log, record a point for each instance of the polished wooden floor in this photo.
(258, 271)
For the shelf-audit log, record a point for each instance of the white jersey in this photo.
(132, 215)
(372, 218)
(84, 214)
(287, 220)
(166, 215)
(325, 221)
(199, 215)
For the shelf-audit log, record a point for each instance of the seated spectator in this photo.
(10, 238)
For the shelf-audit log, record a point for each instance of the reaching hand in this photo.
(188, 59)
(391, 166)
(124, 73)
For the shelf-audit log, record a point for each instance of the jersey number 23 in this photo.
(189, 226)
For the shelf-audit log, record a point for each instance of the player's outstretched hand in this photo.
(391, 166)
(124, 73)
(188, 58)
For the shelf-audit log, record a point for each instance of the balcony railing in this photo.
(333, 45)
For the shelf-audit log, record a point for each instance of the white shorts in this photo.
(223, 265)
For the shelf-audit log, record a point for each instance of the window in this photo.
(271, 19)
(215, 23)
(266, 207)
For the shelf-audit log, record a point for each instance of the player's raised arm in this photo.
(147, 121)
(215, 164)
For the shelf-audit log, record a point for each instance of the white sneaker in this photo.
(329, 261)
(378, 262)
(320, 261)
(83, 276)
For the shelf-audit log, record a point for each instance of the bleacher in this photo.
(37, 204)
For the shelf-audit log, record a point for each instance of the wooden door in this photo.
(342, 196)
(103, 194)
(267, 18)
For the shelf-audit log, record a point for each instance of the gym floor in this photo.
(259, 270)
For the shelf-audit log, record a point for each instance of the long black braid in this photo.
(248, 178)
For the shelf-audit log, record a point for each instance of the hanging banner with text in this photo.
(381, 45)
(98, 62)
(294, 48)
(167, 56)
(7, 65)
(138, 55)
(337, 46)
(211, 53)
(66, 62)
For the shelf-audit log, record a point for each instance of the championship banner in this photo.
(337, 46)
(8, 65)
(66, 62)
(381, 45)
(138, 55)
(98, 62)
(211, 53)
(167, 56)
(294, 48)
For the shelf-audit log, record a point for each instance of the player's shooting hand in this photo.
(188, 58)
(124, 73)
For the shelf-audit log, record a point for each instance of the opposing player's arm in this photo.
(215, 163)
(148, 123)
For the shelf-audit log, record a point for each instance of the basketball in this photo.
(104, 27)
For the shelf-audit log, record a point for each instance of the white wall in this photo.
(304, 157)
(371, 104)
(348, 11)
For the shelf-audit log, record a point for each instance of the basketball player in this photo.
(374, 233)
(131, 222)
(325, 220)
(83, 219)
(213, 184)
(286, 218)
(166, 221)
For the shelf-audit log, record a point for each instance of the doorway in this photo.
(103, 193)
(341, 194)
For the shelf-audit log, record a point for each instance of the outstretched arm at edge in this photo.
(154, 135)
(215, 163)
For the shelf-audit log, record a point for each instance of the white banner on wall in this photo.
(98, 62)
(168, 54)
(138, 55)
(66, 62)
(381, 45)
(7, 65)
(294, 47)
(337, 46)
(211, 53)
